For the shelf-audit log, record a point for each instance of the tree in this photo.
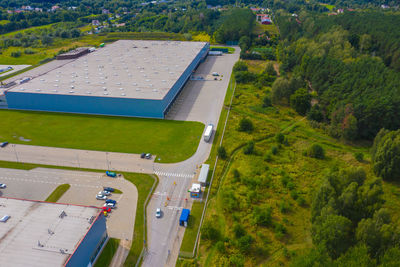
(280, 90)
(315, 114)
(270, 70)
(246, 125)
(301, 101)
(280, 138)
(249, 148)
(210, 232)
(222, 152)
(386, 155)
(334, 233)
(349, 127)
(316, 151)
(240, 66)
(244, 43)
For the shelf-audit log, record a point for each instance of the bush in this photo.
(246, 125)
(268, 157)
(209, 232)
(220, 246)
(29, 51)
(238, 230)
(16, 54)
(249, 148)
(262, 216)
(301, 201)
(284, 207)
(222, 152)
(266, 102)
(301, 101)
(245, 76)
(244, 243)
(316, 151)
(236, 175)
(359, 156)
(274, 150)
(240, 66)
(280, 230)
(280, 138)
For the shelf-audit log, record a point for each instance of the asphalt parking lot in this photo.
(39, 183)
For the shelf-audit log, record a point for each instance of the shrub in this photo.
(244, 243)
(301, 201)
(209, 232)
(268, 157)
(16, 53)
(280, 138)
(240, 66)
(359, 156)
(262, 216)
(285, 179)
(220, 246)
(246, 125)
(274, 150)
(301, 101)
(222, 152)
(249, 148)
(236, 175)
(29, 51)
(267, 102)
(239, 230)
(284, 207)
(280, 230)
(316, 151)
(294, 194)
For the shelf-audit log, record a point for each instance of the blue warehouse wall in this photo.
(90, 245)
(113, 106)
(86, 104)
(179, 84)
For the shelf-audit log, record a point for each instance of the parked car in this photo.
(111, 201)
(158, 213)
(101, 197)
(143, 155)
(148, 156)
(3, 144)
(106, 208)
(110, 205)
(109, 189)
(105, 193)
(2, 186)
(111, 174)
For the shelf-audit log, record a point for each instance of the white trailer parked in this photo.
(208, 132)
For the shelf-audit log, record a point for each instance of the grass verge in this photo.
(143, 186)
(189, 238)
(117, 191)
(172, 141)
(231, 50)
(108, 252)
(58, 193)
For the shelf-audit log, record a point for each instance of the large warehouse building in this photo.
(35, 233)
(126, 78)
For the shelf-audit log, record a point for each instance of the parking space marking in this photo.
(45, 182)
(184, 175)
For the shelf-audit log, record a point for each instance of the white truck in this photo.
(208, 132)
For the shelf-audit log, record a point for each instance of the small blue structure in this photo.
(183, 220)
(111, 174)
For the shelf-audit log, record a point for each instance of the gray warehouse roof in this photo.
(36, 235)
(125, 68)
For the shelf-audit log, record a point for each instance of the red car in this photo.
(107, 209)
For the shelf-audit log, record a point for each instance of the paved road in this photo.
(200, 101)
(37, 184)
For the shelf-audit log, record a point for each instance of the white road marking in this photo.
(184, 175)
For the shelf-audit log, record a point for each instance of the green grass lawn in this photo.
(172, 141)
(58, 193)
(189, 239)
(108, 252)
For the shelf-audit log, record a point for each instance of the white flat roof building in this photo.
(124, 69)
(43, 234)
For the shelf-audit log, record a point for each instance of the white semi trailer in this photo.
(208, 132)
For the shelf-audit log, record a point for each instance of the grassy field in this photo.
(58, 193)
(143, 183)
(261, 28)
(172, 141)
(284, 181)
(108, 252)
